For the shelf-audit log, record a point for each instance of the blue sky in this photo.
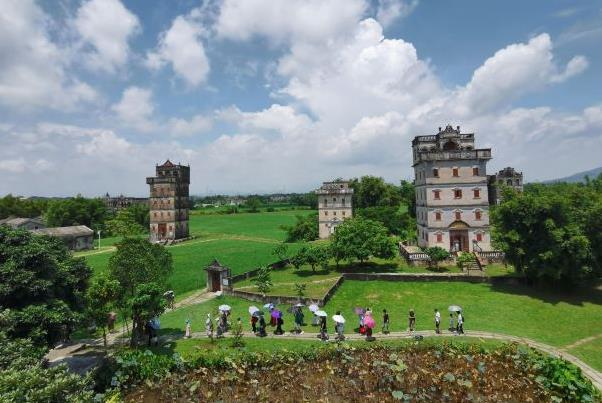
(263, 96)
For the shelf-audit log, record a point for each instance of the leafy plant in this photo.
(263, 280)
(300, 289)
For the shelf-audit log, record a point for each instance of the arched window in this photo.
(449, 146)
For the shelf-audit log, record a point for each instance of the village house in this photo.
(334, 206)
(76, 237)
(23, 223)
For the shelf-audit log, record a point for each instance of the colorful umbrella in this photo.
(253, 309)
(454, 308)
(276, 314)
(314, 308)
(321, 314)
(359, 310)
(338, 318)
(225, 308)
(369, 321)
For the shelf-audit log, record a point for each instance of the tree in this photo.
(11, 206)
(148, 302)
(465, 259)
(437, 254)
(281, 252)
(543, 231)
(263, 280)
(141, 214)
(305, 229)
(124, 224)
(101, 299)
(300, 257)
(77, 211)
(372, 191)
(136, 262)
(359, 238)
(253, 203)
(41, 284)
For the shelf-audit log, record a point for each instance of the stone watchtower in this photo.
(508, 177)
(452, 206)
(334, 206)
(169, 202)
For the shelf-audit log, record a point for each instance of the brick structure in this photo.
(120, 202)
(452, 206)
(168, 202)
(334, 206)
(507, 177)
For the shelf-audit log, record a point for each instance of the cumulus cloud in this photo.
(197, 124)
(515, 70)
(388, 11)
(182, 48)
(106, 26)
(288, 20)
(135, 109)
(33, 68)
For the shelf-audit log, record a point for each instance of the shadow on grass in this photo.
(439, 269)
(366, 267)
(309, 273)
(553, 294)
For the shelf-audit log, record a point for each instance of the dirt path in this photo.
(581, 341)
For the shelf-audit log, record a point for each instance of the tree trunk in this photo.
(104, 336)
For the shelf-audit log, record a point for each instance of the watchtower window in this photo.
(475, 171)
(436, 172)
(455, 172)
(449, 146)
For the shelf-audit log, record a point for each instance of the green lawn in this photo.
(590, 352)
(547, 316)
(259, 225)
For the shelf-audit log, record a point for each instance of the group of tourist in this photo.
(366, 321)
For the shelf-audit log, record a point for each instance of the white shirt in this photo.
(437, 316)
(460, 319)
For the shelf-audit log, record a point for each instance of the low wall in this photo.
(276, 299)
(252, 273)
(416, 277)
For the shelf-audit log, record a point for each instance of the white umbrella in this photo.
(314, 308)
(224, 308)
(299, 305)
(268, 306)
(338, 318)
(253, 309)
(321, 313)
(454, 308)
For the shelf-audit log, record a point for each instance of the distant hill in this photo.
(578, 177)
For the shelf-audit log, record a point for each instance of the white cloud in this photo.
(181, 46)
(106, 26)
(182, 127)
(388, 11)
(284, 20)
(135, 109)
(514, 71)
(33, 68)
(17, 165)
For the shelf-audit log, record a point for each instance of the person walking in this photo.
(209, 326)
(412, 320)
(279, 323)
(339, 326)
(385, 322)
(298, 320)
(323, 329)
(188, 329)
(254, 323)
(437, 322)
(452, 328)
(261, 332)
(460, 323)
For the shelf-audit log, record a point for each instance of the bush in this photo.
(305, 229)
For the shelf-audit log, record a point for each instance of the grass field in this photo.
(240, 241)
(548, 316)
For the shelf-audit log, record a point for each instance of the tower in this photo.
(334, 206)
(169, 202)
(452, 206)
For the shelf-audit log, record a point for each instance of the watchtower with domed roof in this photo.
(169, 202)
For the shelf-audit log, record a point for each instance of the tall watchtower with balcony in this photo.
(334, 206)
(169, 202)
(452, 206)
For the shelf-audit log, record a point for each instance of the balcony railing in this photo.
(453, 155)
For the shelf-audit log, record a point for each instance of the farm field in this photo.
(240, 241)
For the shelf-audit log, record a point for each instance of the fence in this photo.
(494, 256)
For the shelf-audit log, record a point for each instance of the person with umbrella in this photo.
(460, 323)
(359, 311)
(188, 329)
(453, 309)
(323, 330)
(252, 310)
(209, 326)
(437, 321)
(298, 313)
(262, 325)
(370, 324)
(279, 322)
(315, 320)
(412, 320)
(385, 322)
(339, 326)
